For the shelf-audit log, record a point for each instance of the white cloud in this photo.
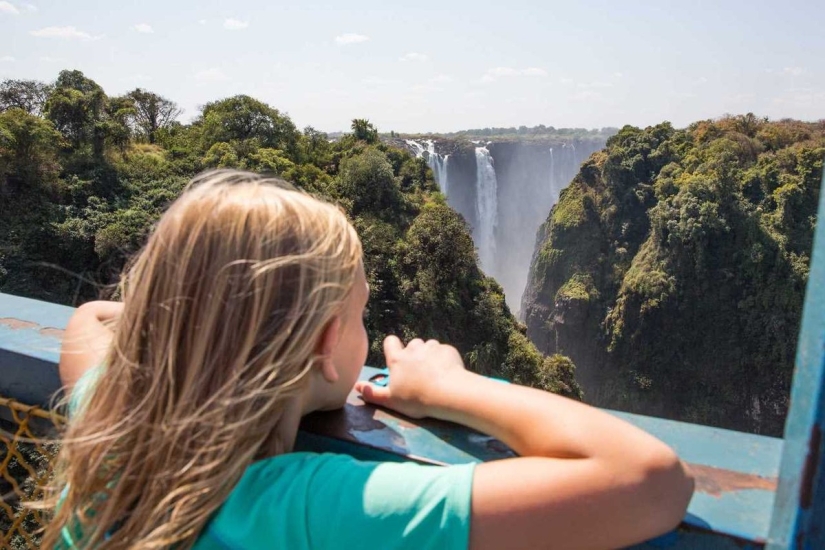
(8, 58)
(69, 32)
(588, 85)
(534, 71)
(566, 81)
(499, 72)
(414, 56)
(202, 21)
(350, 38)
(683, 95)
(379, 81)
(740, 98)
(31, 8)
(618, 75)
(235, 25)
(136, 78)
(427, 88)
(801, 97)
(213, 74)
(586, 95)
(502, 71)
(48, 59)
(6, 7)
(441, 79)
(794, 71)
(144, 28)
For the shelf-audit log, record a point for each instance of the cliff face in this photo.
(672, 269)
(530, 177)
(505, 203)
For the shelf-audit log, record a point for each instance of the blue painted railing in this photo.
(751, 491)
(737, 473)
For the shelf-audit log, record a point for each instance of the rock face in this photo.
(530, 177)
(672, 270)
(527, 177)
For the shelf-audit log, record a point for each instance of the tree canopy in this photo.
(84, 183)
(673, 269)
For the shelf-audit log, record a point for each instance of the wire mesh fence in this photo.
(24, 471)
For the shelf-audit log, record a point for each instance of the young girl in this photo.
(244, 312)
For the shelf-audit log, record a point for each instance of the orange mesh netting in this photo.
(24, 470)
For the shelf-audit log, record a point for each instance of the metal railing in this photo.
(25, 458)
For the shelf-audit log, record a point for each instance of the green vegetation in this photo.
(84, 175)
(673, 269)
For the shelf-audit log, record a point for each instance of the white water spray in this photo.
(486, 209)
(436, 162)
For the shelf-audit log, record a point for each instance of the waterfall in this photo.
(505, 191)
(436, 162)
(486, 209)
(418, 149)
(555, 188)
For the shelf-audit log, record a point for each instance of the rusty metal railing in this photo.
(24, 470)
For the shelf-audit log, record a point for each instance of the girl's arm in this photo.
(585, 479)
(87, 339)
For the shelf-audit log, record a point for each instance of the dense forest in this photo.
(83, 176)
(673, 269)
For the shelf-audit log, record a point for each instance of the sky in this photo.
(424, 66)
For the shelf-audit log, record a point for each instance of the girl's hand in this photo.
(421, 375)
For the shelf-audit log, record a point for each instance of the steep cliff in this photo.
(672, 269)
(504, 189)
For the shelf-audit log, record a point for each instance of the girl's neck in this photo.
(282, 438)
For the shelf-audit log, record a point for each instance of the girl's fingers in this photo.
(372, 393)
(392, 345)
(415, 342)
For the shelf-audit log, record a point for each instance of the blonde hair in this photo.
(223, 310)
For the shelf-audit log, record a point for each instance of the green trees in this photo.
(76, 107)
(28, 150)
(152, 112)
(364, 131)
(243, 119)
(673, 268)
(83, 185)
(368, 182)
(29, 95)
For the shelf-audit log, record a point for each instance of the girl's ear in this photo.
(326, 345)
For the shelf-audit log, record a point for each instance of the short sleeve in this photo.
(390, 505)
(330, 501)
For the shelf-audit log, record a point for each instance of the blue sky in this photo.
(439, 66)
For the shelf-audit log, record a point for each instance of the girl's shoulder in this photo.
(312, 500)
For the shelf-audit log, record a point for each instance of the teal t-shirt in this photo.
(319, 501)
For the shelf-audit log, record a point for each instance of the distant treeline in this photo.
(536, 132)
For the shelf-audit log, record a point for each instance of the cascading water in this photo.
(438, 165)
(504, 190)
(417, 148)
(436, 162)
(486, 209)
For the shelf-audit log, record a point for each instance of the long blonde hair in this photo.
(223, 309)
